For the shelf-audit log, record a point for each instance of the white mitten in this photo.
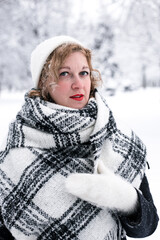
(105, 190)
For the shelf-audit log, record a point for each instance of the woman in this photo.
(69, 170)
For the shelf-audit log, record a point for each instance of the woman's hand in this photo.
(105, 189)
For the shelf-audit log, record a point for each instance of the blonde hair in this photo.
(53, 64)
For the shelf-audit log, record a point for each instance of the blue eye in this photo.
(84, 73)
(64, 74)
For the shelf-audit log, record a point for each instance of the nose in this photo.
(77, 82)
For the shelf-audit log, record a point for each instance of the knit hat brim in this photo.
(43, 50)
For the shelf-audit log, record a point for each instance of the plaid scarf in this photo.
(45, 144)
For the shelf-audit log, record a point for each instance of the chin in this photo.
(78, 106)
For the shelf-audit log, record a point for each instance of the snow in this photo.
(139, 109)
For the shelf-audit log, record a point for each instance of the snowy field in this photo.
(139, 109)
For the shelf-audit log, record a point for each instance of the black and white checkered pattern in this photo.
(45, 144)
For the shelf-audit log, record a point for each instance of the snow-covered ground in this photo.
(139, 109)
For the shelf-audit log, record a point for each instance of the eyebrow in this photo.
(84, 67)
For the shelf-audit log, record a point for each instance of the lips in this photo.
(77, 97)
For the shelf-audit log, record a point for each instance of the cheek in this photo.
(59, 90)
(63, 87)
(88, 85)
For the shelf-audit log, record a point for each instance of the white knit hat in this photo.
(42, 51)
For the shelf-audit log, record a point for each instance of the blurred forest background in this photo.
(123, 34)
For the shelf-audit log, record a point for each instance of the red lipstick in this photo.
(77, 97)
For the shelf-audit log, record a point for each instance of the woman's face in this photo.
(74, 83)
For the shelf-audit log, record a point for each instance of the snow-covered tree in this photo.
(124, 36)
(23, 24)
(137, 41)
